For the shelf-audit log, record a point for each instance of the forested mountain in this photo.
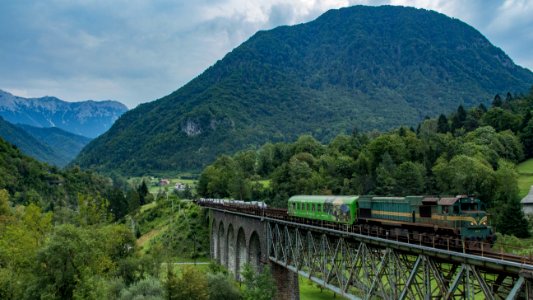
(51, 145)
(358, 67)
(30, 181)
(29, 145)
(65, 144)
(470, 152)
(87, 118)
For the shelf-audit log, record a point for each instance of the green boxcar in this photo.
(340, 209)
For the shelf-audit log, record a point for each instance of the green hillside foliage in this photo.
(358, 67)
(174, 224)
(29, 181)
(29, 144)
(65, 235)
(461, 153)
(65, 144)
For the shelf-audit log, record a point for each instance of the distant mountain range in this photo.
(358, 67)
(87, 118)
(51, 145)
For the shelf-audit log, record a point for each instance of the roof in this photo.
(529, 198)
(322, 199)
(448, 201)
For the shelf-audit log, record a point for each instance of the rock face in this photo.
(86, 118)
(358, 67)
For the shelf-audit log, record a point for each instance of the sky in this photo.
(137, 51)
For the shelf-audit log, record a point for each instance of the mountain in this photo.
(30, 181)
(358, 67)
(88, 118)
(29, 145)
(65, 144)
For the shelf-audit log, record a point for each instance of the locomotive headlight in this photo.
(484, 223)
(472, 223)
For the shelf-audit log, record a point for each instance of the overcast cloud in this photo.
(137, 51)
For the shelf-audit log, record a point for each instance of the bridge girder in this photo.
(359, 269)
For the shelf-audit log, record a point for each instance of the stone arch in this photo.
(221, 247)
(230, 249)
(214, 241)
(254, 251)
(241, 258)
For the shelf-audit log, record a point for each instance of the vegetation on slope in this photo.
(359, 67)
(65, 144)
(29, 144)
(469, 152)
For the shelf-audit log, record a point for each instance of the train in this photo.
(460, 216)
(418, 217)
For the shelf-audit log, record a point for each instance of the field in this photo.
(525, 180)
(310, 291)
(154, 187)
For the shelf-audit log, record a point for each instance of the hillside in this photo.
(30, 181)
(358, 67)
(65, 144)
(87, 118)
(29, 145)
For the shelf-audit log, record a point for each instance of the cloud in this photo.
(139, 50)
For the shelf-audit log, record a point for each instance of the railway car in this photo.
(462, 216)
(339, 209)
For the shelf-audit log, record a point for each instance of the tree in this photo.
(512, 221)
(526, 137)
(93, 210)
(171, 284)
(143, 192)
(258, 285)
(192, 284)
(146, 288)
(464, 175)
(442, 124)
(501, 119)
(458, 119)
(118, 205)
(509, 216)
(497, 102)
(220, 287)
(409, 178)
(4, 202)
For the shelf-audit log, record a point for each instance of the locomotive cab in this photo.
(472, 219)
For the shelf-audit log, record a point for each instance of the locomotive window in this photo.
(455, 209)
(468, 206)
(313, 207)
(425, 211)
(293, 206)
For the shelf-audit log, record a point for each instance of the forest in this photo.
(73, 234)
(472, 152)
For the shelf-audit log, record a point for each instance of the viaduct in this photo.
(362, 266)
(238, 239)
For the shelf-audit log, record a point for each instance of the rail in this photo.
(427, 241)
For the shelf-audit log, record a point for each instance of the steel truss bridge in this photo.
(360, 266)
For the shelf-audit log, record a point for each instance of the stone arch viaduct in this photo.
(237, 239)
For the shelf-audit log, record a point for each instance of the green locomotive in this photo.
(458, 216)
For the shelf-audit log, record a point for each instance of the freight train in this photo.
(460, 216)
(417, 217)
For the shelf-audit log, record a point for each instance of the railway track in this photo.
(439, 242)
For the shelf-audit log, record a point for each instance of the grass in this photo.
(310, 291)
(265, 183)
(525, 180)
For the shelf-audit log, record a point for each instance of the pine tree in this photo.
(442, 124)
(497, 102)
(512, 221)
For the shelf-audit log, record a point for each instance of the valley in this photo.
(405, 133)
